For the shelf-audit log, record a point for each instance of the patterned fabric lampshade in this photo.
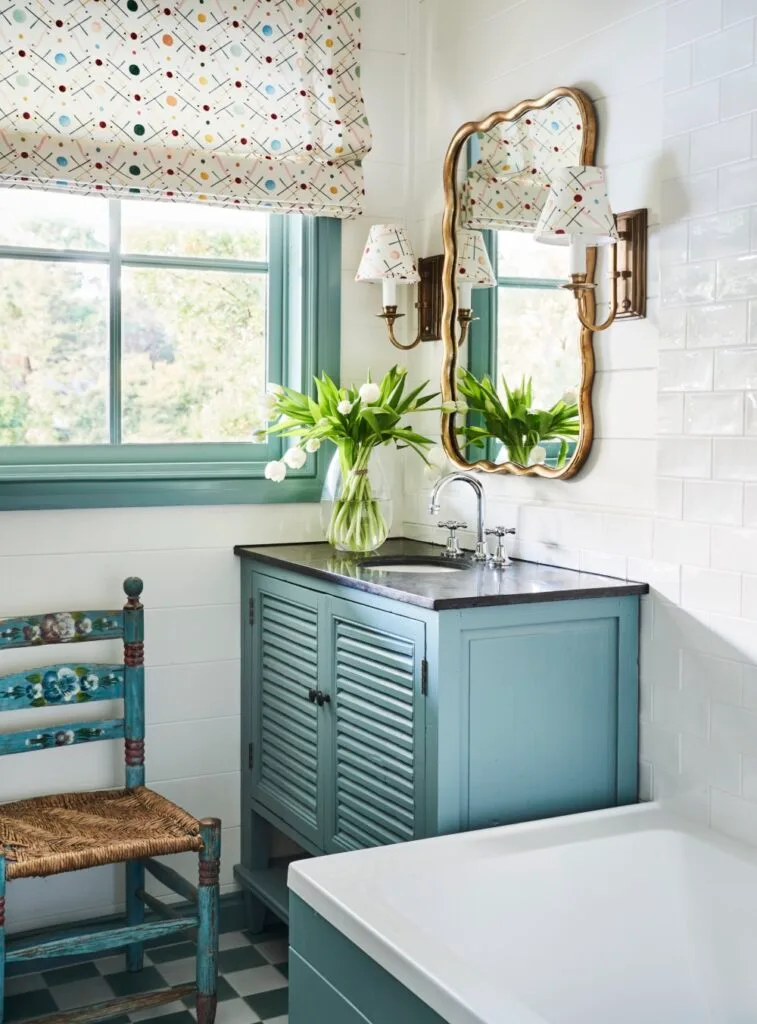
(577, 209)
(474, 269)
(388, 257)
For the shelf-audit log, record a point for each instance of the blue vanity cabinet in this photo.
(369, 720)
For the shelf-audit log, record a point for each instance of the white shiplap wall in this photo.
(70, 559)
(669, 494)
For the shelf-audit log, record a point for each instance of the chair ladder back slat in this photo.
(70, 734)
(134, 683)
(61, 685)
(60, 628)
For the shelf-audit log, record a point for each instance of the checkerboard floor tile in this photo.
(252, 984)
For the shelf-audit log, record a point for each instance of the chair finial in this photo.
(133, 587)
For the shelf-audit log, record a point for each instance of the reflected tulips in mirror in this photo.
(528, 436)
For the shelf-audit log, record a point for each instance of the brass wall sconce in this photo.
(577, 213)
(388, 258)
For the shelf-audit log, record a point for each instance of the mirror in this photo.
(519, 357)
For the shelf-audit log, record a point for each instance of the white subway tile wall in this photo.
(69, 559)
(688, 525)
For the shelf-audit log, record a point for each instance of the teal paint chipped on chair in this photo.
(49, 835)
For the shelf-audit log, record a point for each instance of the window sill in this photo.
(75, 494)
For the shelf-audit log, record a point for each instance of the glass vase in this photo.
(356, 509)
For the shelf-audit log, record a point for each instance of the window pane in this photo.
(190, 229)
(193, 354)
(538, 337)
(518, 255)
(52, 220)
(53, 353)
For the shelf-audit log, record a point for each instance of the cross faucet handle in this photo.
(500, 558)
(453, 549)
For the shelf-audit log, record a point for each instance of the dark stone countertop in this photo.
(476, 586)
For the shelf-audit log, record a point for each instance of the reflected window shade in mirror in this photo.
(512, 166)
(473, 270)
(254, 105)
(523, 330)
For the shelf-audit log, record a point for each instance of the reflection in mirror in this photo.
(536, 335)
(529, 362)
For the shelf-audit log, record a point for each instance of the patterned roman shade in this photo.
(512, 167)
(255, 103)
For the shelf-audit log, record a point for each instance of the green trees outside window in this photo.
(136, 341)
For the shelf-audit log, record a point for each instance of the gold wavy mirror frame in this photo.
(450, 327)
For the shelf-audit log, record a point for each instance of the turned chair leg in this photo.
(2, 933)
(135, 912)
(208, 910)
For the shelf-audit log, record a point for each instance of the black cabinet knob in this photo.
(312, 696)
(322, 698)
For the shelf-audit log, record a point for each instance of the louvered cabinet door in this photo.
(376, 723)
(285, 775)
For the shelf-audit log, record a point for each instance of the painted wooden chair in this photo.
(48, 835)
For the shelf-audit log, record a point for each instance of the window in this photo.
(136, 341)
(528, 325)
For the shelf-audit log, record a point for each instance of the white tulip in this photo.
(295, 457)
(402, 370)
(312, 445)
(462, 407)
(369, 393)
(537, 456)
(267, 408)
(570, 397)
(275, 471)
(437, 457)
(344, 408)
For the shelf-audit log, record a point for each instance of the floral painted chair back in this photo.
(79, 682)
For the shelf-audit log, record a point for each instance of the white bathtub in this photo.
(628, 916)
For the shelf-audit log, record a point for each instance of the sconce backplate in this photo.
(430, 298)
(632, 265)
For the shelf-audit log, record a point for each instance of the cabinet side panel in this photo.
(542, 720)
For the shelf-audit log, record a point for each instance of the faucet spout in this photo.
(480, 553)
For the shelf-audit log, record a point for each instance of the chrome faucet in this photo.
(480, 554)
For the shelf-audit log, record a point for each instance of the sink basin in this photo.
(414, 564)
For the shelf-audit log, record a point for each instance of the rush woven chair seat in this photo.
(49, 835)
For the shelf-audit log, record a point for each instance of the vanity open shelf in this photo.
(379, 707)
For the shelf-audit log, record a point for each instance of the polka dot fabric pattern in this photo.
(252, 103)
(509, 179)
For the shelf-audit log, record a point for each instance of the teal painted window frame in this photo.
(483, 334)
(303, 332)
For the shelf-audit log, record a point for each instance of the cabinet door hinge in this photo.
(252, 611)
(250, 756)
(424, 678)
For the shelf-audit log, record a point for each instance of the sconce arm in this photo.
(390, 315)
(578, 287)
